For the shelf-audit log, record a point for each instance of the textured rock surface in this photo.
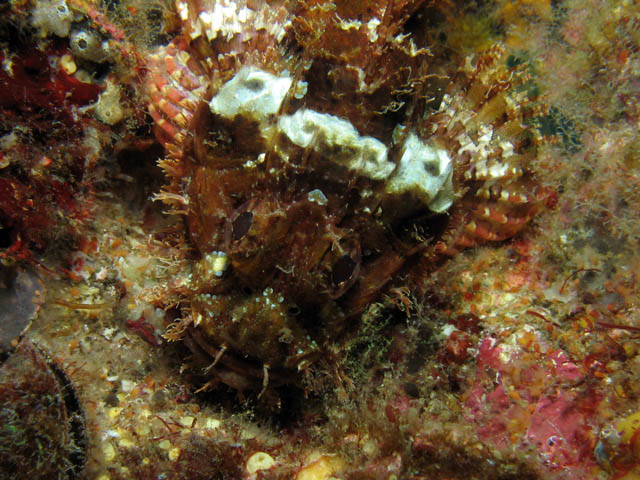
(510, 359)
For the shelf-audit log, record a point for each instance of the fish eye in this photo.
(241, 226)
(342, 270)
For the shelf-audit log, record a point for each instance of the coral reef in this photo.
(394, 239)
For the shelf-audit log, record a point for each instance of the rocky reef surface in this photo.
(319, 240)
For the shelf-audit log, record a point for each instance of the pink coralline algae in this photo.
(520, 401)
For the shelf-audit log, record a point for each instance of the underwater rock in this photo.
(21, 294)
(42, 434)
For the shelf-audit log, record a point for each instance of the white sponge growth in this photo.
(89, 45)
(251, 93)
(339, 140)
(425, 171)
(52, 17)
(108, 108)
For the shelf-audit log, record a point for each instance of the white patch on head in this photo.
(426, 172)
(252, 93)
(338, 141)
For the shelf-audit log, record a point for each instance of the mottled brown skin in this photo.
(301, 271)
(313, 256)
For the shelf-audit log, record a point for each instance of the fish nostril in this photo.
(247, 290)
